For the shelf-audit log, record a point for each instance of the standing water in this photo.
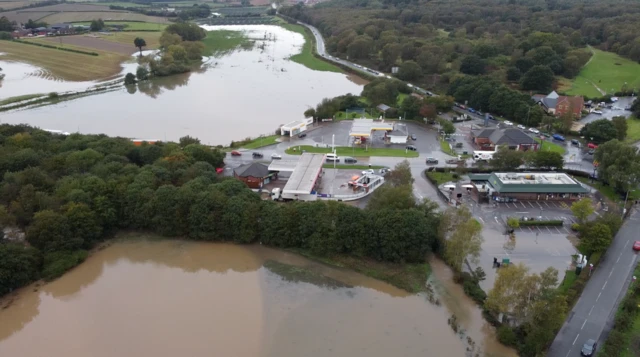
(174, 298)
(242, 94)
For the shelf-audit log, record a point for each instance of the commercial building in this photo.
(535, 186)
(399, 134)
(254, 175)
(302, 184)
(296, 127)
(515, 139)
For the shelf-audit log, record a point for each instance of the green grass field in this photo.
(442, 177)
(569, 278)
(633, 130)
(608, 71)
(306, 57)
(221, 42)
(131, 25)
(261, 142)
(356, 152)
(549, 146)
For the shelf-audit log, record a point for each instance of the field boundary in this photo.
(56, 47)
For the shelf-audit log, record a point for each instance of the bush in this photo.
(551, 223)
(575, 227)
(58, 263)
(513, 222)
(624, 320)
(53, 95)
(615, 343)
(507, 337)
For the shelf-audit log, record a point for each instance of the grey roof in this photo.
(254, 169)
(305, 174)
(553, 95)
(383, 107)
(510, 136)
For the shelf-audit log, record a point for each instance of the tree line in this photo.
(523, 42)
(68, 193)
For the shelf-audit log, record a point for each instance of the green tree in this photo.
(447, 127)
(169, 39)
(620, 123)
(506, 159)
(429, 111)
(472, 64)
(19, 265)
(310, 113)
(410, 108)
(82, 223)
(462, 236)
(96, 25)
(49, 232)
(600, 131)
(595, 237)
(400, 175)
(142, 73)
(139, 43)
(360, 48)
(582, 209)
(409, 71)
(538, 78)
(513, 74)
(129, 79)
(619, 165)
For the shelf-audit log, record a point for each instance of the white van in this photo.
(333, 157)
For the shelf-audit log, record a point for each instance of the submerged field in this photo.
(606, 72)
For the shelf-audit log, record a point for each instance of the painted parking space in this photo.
(554, 205)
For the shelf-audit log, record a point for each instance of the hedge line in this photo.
(125, 30)
(618, 340)
(57, 48)
(552, 223)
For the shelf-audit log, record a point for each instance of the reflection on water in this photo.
(245, 93)
(174, 298)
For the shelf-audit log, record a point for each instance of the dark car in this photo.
(350, 160)
(589, 348)
(432, 161)
(412, 148)
(302, 135)
(257, 155)
(236, 153)
(414, 137)
(575, 142)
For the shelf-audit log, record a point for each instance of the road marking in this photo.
(548, 230)
(574, 341)
(522, 212)
(584, 323)
(598, 296)
(539, 204)
(496, 218)
(611, 272)
(481, 220)
(618, 259)
(506, 204)
(530, 204)
(522, 203)
(590, 311)
(568, 353)
(605, 284)
(546, 204)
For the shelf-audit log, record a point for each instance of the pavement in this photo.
(593, 314)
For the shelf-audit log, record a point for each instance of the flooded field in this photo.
(245, 93)
(170, 298)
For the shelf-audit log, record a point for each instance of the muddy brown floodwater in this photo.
(175, 298)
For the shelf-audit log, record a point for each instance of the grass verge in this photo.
(221, 42)
(306, 57)
(442, 177)
(569, 278)
(259, 142)
(608, 191)
(347, 151)
(549, 146)
(633, 130)
(446, 148)
(352, 167)
(608, 71)
(20, 98)
(408, 277)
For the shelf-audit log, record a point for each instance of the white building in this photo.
(296, 127)
(399, 134)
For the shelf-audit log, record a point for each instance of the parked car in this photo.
(302, 135)
(350, 160)
(558, 137)
(432, 161)
(236, 153)
(575, 142)
(471, 110)
(522, 127)
(597, 112)
(479, 113)
(257, 155)
(508, 123)
(589, 348)
(414, 137)
(534, 130)
(412, 148)
(275, 156)
(462, 106)
(636, 245)
(368, 172)
(592, 146)
(546, 135)
(384, 171)
(449, 138)
(591, 152)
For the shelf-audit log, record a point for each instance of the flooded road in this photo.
(242, 94)
(171, 298)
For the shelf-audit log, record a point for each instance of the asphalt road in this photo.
(593, 314)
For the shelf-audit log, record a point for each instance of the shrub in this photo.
(58, 263)
(507, 337)
(474, 291)
(513, 222)
(553, 223)
(615, 343)
(455, 176)
(575, 227)
(624, 320)
(53, 95)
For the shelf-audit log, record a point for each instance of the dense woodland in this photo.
(69, 193)
(433, 41)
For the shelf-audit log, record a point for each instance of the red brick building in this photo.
(559, 105)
